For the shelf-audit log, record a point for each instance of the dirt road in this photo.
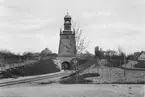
(75, 90)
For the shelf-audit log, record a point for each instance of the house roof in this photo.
(142, 56)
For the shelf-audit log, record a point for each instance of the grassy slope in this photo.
(112, 74)
(42, 67)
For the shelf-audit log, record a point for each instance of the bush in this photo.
(140, 64)
(114, 63)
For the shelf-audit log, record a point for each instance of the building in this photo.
(67, 43)
(97, 48)
(142, 56)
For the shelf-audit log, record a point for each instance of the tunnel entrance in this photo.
(66, 66)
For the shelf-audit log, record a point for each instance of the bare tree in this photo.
(122, 54)
(120, 50)
(81, 43)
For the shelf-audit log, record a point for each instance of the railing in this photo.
(85, 66)
(82, 67)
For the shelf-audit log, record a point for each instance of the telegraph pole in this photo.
(77, 73)
(76, 68)
(125, 65)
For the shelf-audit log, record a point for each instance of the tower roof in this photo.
(67, 16)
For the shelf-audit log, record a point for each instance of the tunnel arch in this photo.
(66, 65)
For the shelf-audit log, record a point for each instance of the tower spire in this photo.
(67, 11)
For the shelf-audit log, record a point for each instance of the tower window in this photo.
(67, 27)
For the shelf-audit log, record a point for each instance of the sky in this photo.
(32, 25)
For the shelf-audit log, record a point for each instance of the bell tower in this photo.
(67, 23)
(67, 43)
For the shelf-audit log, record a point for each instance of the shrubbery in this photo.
(140, 64)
